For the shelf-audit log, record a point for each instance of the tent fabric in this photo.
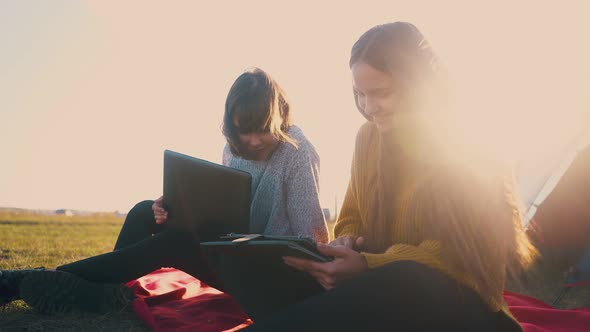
(538, 173)
(540, 169)
(563, 219)
(171, 300)
(540, 166)
(560, 208)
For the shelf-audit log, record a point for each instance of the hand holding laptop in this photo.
(160, 214)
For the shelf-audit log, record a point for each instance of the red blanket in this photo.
(171, 300)
(536, 316)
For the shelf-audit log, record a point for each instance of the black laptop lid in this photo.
(206, 198)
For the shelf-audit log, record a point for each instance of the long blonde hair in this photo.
(400, 50)
(474, 214)
(476, 217)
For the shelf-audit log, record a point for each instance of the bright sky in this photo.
(91, 93)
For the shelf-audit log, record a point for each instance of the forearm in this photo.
(349, 221)
(312, 226)
(303, 201)
(306, 216)
(426, 253)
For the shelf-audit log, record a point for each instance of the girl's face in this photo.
(378, 94)
(257, 145)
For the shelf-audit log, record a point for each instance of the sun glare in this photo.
(103, 90)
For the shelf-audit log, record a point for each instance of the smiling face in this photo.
(377, 94)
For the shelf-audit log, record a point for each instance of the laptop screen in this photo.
(204, 197)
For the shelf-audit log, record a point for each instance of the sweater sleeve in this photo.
(225, 156)
(427, 253)
(303, 202)
(349, 220)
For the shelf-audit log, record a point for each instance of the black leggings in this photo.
(142, 247)
(400, 296)
(404, 296)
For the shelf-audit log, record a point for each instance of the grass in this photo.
(545, 279)
(30, 240)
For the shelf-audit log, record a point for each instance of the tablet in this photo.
(271, 248)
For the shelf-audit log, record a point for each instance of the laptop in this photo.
(213, 201)
(205, 198)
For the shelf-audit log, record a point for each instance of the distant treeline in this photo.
(16, 214)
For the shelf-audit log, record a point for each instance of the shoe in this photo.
(58, 292)
(581, 271)
(10, 282)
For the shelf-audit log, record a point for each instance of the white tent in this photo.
(538, 176)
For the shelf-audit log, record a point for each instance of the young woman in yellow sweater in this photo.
(424, 241)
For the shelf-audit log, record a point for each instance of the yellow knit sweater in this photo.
(407, 239)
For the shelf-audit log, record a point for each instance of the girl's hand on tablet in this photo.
(354, 243)
(347, 263)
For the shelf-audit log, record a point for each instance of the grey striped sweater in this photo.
(285, 189)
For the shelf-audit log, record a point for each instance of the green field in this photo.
(28, 240)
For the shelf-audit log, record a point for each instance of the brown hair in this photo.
(260, 105)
